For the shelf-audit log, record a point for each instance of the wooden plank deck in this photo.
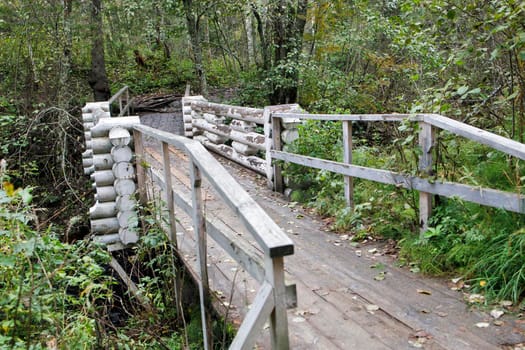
(337, 293)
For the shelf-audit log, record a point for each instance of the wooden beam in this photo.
(426, 143)
(500, 143)
(169, 193)
(347, 158)
(253, 323)
(484, 196)
(349, 117)
(141, 167)
(235, 112)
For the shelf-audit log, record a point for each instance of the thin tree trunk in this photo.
(98, 79)
(66, 54)
(249, 37)
(193, 30)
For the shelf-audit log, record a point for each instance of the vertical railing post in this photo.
(278, 185)
(426, 143)
(347, 159)
(278, 319)
(140, 164)
(199, 226)
(128, 102)
(169, 193)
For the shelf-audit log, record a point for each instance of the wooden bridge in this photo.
(269, 266)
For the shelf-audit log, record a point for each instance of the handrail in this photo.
(118, 95)
(271, 299)
(254, 115)
(485, 196)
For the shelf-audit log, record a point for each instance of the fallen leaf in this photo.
(372, 307)
(441, 314)
(475, 298)
(496, 313)
(358, 253)
(456, 280)
(506, 303)
(415, 269)
(415, 344)
(380, 276)
(343, 237)
(372, 251)
(498, 323)
(482, 324)
(298, 319)
(424, 291)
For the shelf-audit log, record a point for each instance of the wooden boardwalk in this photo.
(340, 303)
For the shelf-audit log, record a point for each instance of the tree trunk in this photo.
(98, 79)
(288, 28)
(65, 65)
(192, 22)
(249, 37)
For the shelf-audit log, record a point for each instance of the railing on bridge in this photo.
(427, 123)
(122, 96)
(271, 299)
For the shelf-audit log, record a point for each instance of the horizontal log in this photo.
(102, 161)
(119, 136)
(128, 235)
(241, 125)
(87, 162)
(89, 170)
(484, 196)
(121, 154)
(105, 194)
(289, 135)
(213, 119)
(87, 154)
(500, 143)
(107, 238)
(87, 117)
(99, 114)
(126, 203)
(251, 162)
(242, 113)
(103, 210)
(88, 126)
(243, 149)
(123, 170)
(215, 138)
(104, 226)
(103, 178)
(90, 106)
(118, 94)
(100, 145)
(128, 218)
(124, 187)
(87, 136)
(105, 125)
(254, 140)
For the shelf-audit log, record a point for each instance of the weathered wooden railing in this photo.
(271, 299)
(122, 96)
(427, 122)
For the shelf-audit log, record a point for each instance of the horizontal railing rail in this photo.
(428, 123)
(271, 299)
(121, 96)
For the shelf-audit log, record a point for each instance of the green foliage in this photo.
(50, 292)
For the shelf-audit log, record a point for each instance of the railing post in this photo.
(128, 106)
(141, 172)
(426, 143)
(199, 226)
(169, 193)
(277, 146)
(347, 158)
(278, 318)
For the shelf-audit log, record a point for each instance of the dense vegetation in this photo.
(464, 59)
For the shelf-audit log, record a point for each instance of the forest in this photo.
(462, 59)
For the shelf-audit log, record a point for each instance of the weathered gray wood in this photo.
(251, 162)
(119, 136)
(123, 170)
(169, 192)
(500, 143)
(278, 319)
(349, 117)
(102, 161)
(100, 145)
(199, 228)
(106, 194)
(104, 226)
(141, 167)
(269, 236)
(126, 203)
(128, 235)
(103, 210)
(87, 154)
(107, 238)
(124, 187)
(347, 158)
(426, 143)
(99, 114)
(127, 218)
(253, 323)
(87, 162)
(252, 139)
(121, 154)
(103, 178)
(277, 145)
(242, 113)
(117, 95)
(489, 197)
(105, 125)
(90, 106)
(87, 117)
(89, 170)
(87, 136)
